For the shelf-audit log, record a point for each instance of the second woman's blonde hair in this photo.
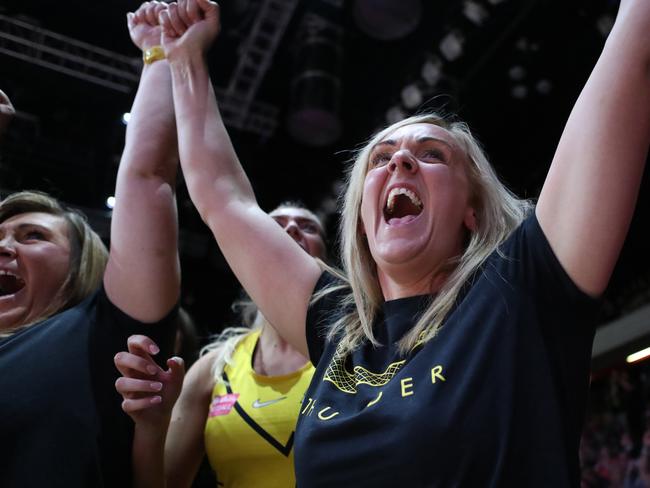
(498, 212)
(223, 346)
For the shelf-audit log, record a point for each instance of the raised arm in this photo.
(589, 195)
(278, 275)
(143, 276)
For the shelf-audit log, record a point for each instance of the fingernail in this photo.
(154, 349)
(152, 369)
(156, 385)
(156, 399)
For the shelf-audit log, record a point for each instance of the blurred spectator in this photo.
(615, 447)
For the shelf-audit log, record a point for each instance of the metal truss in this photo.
(255, 57)
(66, 55)
(112, 70)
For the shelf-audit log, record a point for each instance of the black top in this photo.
(497, 398)
(61, 423)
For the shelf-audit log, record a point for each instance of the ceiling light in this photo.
(522, 44)
(544, 87)
(519, 92)
(411, 96)
(395, 114)
(451, 45)
(314, 107)
(475, 12)
(387, 20)
(517, 72)
(604, 24)
(432, 71)
(638, 356)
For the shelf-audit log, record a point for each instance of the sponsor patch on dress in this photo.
(222, 405)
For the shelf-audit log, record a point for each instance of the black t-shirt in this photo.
(61, 422)
(497, 398)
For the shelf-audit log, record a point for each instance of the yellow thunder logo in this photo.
(347, 381)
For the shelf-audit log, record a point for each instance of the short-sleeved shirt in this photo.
(495, 399)
(61, 421)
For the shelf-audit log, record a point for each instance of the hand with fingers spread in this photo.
(144, 28)
(149, 392)
(189, 26)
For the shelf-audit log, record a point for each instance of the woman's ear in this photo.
(470, 220)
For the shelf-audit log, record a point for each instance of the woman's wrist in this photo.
(154, 430)
(152, 54)
(186, 66)
(181, 56)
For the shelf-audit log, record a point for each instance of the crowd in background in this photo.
(615, 447)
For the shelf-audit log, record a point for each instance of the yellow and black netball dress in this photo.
(250, 428)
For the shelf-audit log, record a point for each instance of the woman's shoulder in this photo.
(330, 289)
(199, 380)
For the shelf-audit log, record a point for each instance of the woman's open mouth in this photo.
(10, 283)
(402, 205)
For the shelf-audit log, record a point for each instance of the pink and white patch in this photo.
(222, 405)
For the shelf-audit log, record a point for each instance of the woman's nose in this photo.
(7, 248)
(402, 160)
(292, 229)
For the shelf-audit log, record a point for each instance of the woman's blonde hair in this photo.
(224, 344)
(88, 255)
(498, 212)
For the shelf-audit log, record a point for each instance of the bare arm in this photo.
(277, 274)
(589, 195)
(143, 276)
(185, 448)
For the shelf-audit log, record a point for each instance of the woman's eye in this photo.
(380, 159)
(309, 227)
(433, 154)
(34, 235)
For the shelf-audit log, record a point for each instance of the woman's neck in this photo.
(274, 356)
(393, 288)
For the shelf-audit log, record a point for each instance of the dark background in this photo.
(514, 81)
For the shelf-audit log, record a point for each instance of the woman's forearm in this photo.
(213, 174)
(149, 457)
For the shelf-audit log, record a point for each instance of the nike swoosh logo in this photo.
(258, 404)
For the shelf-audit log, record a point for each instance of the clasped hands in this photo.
(181, 28)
